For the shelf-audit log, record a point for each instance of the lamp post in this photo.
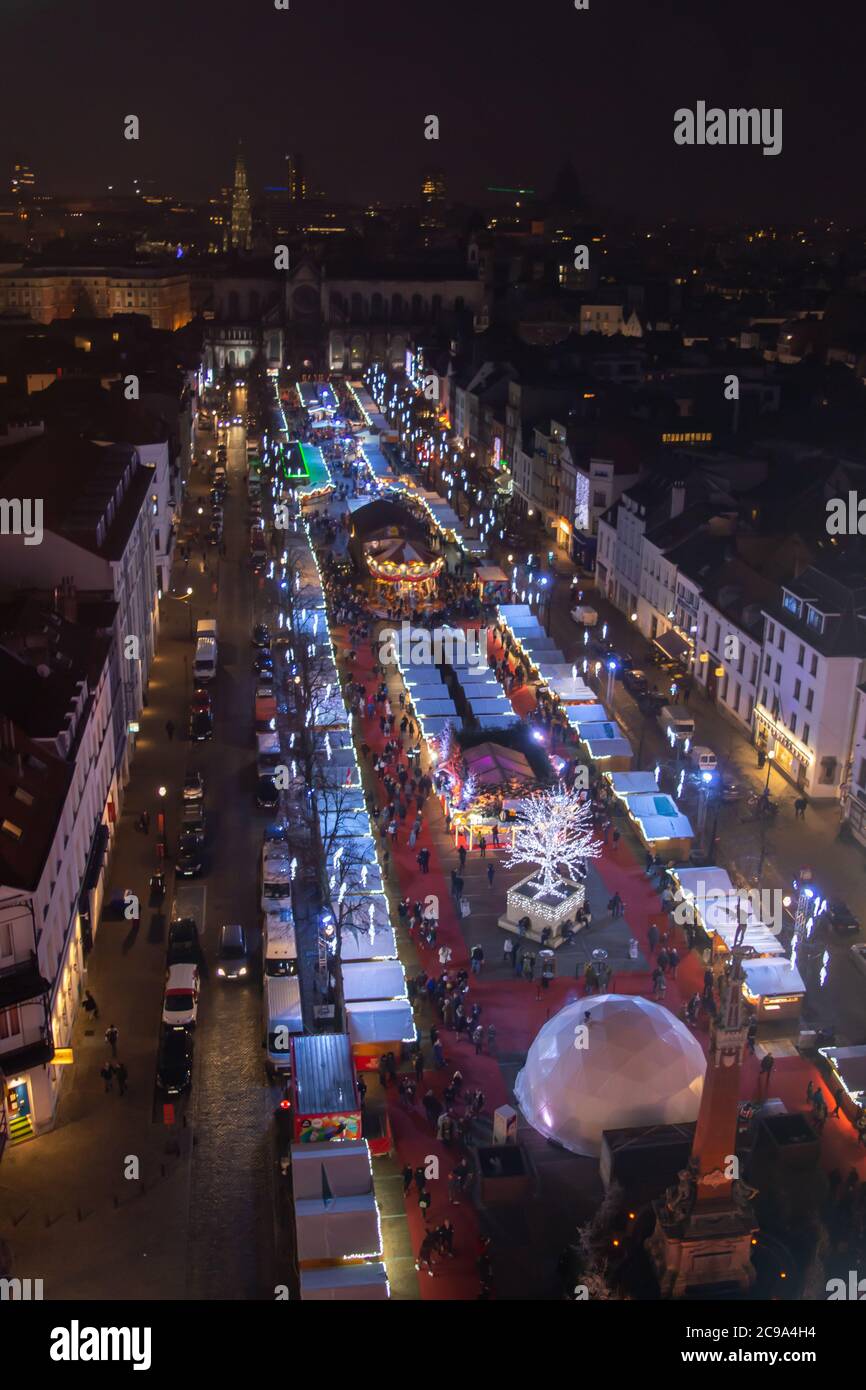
(771, 753)
(161, 792)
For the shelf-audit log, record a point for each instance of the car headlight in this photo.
(220, 971)
(243, 970)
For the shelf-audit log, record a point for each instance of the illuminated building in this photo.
(239, 232)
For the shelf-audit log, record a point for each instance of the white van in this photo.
(703, 759)
(283, 1017)
(276, 879)
(280, 944)
(205, 662)
(676, 724)
(268, 754)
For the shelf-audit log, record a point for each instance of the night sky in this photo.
(517, 88)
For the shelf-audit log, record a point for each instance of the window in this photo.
(781, 639)
(800, 654)
(736, 705)
(806, 732)
(742, 661)
(5, 939)
(793, 723)
(815, 619)
(764, 697)
(771, 632)
(10, 1023)
(797, 688)
(861, 774)
(749, 710)
(810, 695)
(778, 672)
(791, 603)
(754, 676)
(766, 665)
(11, 829)
(813, 669)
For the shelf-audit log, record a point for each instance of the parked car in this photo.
(193, 787)
(233, 960)
(635, 682)
(202, 701)
(731, 791)
(650, 702)
(180, 1003)
(263, 665)
(267, 796)
(174, 1061)
(261, 635)
(189, 856)
(200, 726)
(183, 944)
(840, 918)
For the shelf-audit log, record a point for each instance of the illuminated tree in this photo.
(556, 835)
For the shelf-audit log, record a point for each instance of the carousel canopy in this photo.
(494, 764)
(635, 1064)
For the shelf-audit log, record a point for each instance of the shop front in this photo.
(790, 757)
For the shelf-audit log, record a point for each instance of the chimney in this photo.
(678, 498)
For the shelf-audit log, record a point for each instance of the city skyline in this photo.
(570, 89)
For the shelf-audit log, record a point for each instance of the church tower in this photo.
(702, 1242)
(240, 229)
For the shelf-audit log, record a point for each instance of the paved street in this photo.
(198, 1220)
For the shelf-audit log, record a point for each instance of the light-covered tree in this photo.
(556, 834)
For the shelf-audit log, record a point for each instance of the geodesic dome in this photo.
(637, 1065)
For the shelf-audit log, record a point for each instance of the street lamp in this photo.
(771, 753)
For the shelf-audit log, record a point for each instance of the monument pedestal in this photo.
(544, 906)
(707, 1253)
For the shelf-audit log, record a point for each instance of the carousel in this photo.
(403, 567)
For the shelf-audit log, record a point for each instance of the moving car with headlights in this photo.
(180, 1004)
(233, 960)
(261, 635)
(174, 1061)
(267, 796)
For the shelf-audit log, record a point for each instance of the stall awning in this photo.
(674, 646)
(491, 574)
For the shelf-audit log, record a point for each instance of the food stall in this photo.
(847, 1070)
(324, 1097)
(606, 745)
(626, 784)
(773, 988)
(377, 1027)
(718, 906)
(358, 1282)
(660, 825)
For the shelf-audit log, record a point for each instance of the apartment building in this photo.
(44, 293)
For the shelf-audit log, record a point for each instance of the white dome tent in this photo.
(636, 1064)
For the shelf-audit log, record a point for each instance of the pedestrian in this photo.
(767, 1062)
(478, 1039)
(461, 852)
(491, 1037)
(145, 822)
(362, 1091)
(420, 1178)
(663, 960)
(652, 937)
(482, 846)
(490, 874)
(91, 1007)
(122, 1077)
(419, 1066)
(408, 1176)
(169, 729)
(615, 837)
(800, 807)
(837, 1097)
(477, 959)
(111, 1038)
(673, 961)
(107, 1074)
(438, 1054)
(383, 1072)
(495, 836)
(507, 950)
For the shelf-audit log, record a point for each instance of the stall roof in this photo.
(627, 784)
(373, 979)
(323, 1074)
(495, 763)
(359, 943)
(666, 827)
(654, 803)
(389, 1020)
(766, 978)
(490, 574)
(588, 714)
(512, 612)
(337, 1228)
